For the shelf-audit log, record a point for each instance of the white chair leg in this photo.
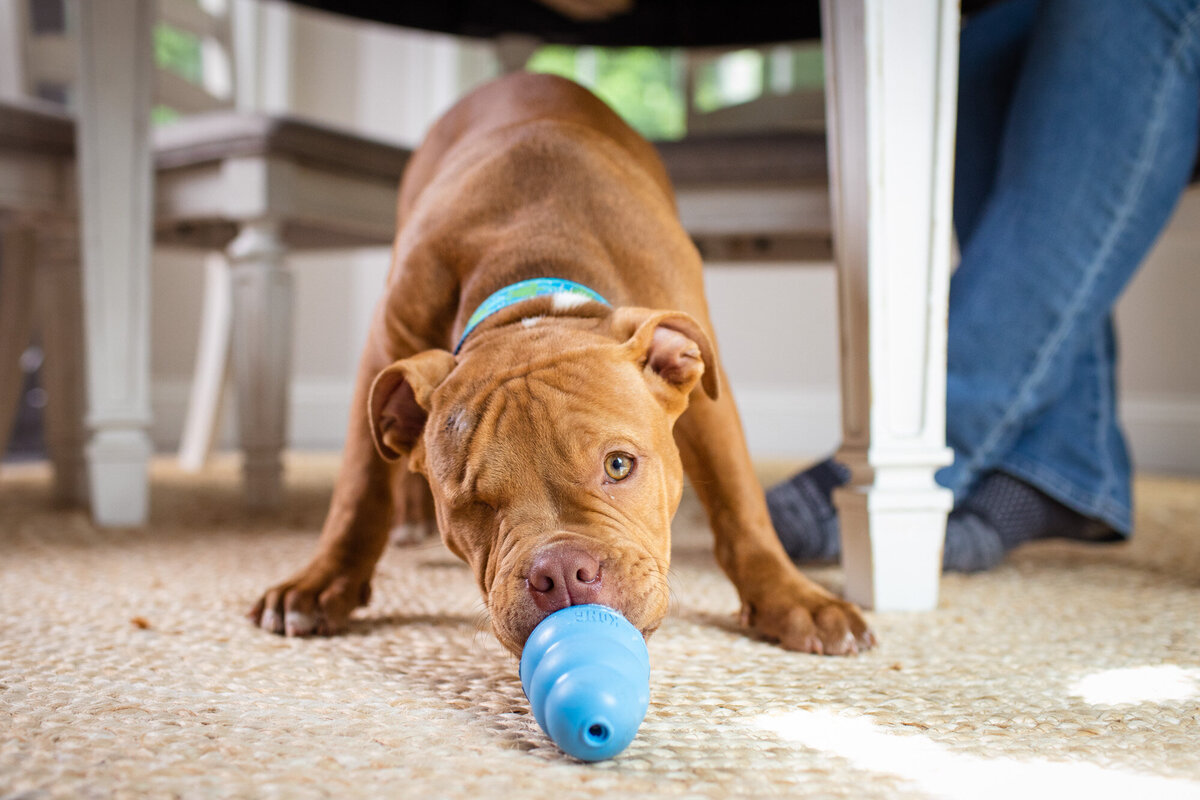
(16, 320)
(892, 70)
(60, 313)
(212, 365)
(262, 347)
(115, 75)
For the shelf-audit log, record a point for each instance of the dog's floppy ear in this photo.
(670, 345)
(399, 401)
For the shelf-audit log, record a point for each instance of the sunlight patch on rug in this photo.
(1160, 684)
(938, 770)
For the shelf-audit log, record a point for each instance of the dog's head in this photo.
(548, 445)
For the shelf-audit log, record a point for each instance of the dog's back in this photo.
(531, 173)
(520, 98)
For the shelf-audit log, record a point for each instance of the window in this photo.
(178, 52)
(650, 88)
(643, 85)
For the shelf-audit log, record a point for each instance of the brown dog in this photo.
(549, 433)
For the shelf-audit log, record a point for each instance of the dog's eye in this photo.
(618, 465)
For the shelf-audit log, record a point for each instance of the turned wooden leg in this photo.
(892, 72)
(115, 76)
(212, 365)
(262, 347)
(59, 309)
(16, 320)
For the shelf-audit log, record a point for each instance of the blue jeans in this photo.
(1076, 135)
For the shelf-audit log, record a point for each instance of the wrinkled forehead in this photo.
(544, 412)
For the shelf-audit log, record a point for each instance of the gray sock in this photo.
(972, 545)
(803, 513)
(1003, 512)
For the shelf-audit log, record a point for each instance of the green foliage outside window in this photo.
(643, 85)
(177, 51)
(648, 87)
(808, 66)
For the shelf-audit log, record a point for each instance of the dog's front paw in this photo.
(318, 601)
(808, 619)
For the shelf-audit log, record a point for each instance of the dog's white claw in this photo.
(297, 623)
(270, 621)
(412, 532)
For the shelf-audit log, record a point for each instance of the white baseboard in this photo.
(317, 417)
(795, 424)
(780, 424)
(1163, 432)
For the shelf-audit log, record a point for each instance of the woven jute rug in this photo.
(127, 670)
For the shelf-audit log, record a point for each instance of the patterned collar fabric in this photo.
(525, 290)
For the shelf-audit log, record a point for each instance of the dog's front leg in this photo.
(319, 598)
(778, 602)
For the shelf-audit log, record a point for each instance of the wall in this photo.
(1158, 321)
(775, 324)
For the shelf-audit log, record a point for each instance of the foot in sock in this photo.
(803, 513)
(1003, 512)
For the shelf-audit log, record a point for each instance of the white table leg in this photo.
(262, 348)
(891, 67)
(115, 76)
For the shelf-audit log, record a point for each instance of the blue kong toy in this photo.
(586, 673)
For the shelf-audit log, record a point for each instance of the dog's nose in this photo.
(564, 576)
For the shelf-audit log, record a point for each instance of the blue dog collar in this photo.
(525, 290)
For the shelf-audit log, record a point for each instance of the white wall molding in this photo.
(801, 423)
(798, 423)
(795, 424)
(316, 417)
(1163, 431)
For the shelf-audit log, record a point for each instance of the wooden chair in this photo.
(39, 281)
(753, 196)
(255, 187)
(246, 187)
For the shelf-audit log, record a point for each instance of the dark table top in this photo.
(658, 23)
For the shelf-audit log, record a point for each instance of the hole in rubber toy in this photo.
(597, 733)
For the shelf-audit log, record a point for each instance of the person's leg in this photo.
(1101, 137)
(991, 46)
(1007, 508)
(803, 514)
(1081, 436)
(1102, 132)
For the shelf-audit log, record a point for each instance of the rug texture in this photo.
(127, 670)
